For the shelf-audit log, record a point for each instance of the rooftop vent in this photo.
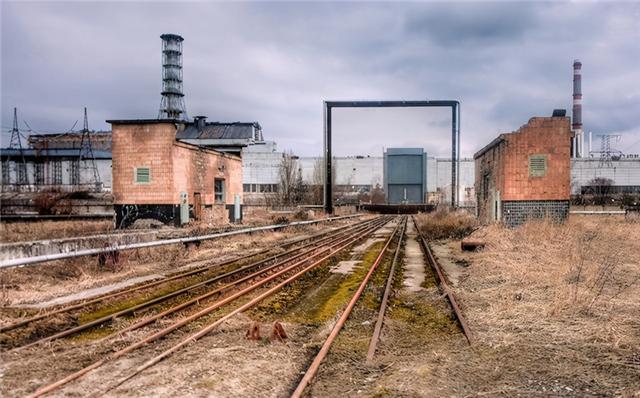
(199, 122)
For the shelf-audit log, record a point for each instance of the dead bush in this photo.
(45, 202)
(301, 215)
(445, 224)
(280, 219)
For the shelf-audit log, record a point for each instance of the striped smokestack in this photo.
(577, 95)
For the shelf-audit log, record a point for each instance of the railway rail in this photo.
(444, 285)
(18, 262)
(169, 278)
(313, 368)
(281, 273)
(260, 266)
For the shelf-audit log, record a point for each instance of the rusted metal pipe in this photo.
(313, 369)
(89, 252)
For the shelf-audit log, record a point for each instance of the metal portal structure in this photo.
(172, 103)
(455, 138)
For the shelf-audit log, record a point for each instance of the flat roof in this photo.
(144, 121)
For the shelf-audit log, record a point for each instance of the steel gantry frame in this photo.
(455, 138)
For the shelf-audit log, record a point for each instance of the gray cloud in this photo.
(276, 63)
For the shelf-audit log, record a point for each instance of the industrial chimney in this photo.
(172, 103)
(578, 143)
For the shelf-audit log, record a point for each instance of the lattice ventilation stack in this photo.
(172, 103)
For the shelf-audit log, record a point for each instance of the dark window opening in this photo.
(38, 173)
(218, 190)
(57, 172)
(75, 172)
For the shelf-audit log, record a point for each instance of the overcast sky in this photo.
(276, 62)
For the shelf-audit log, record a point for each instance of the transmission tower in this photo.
(605, 149)
(16, 143)
(85, 155)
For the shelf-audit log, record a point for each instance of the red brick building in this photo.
(155, 176)
(525, 174)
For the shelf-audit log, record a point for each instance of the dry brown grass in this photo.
(445, 224)
(572, 290)
(28, 231)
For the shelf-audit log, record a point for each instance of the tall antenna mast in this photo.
(85, 153)
(172, 103)
(605, 149)
(16, 143)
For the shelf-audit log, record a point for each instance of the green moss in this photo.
(422, 318)
(93, 334)
(120, 304)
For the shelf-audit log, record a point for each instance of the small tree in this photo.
(601, 189)
(316, 191)
(292, 188)
(377, 195)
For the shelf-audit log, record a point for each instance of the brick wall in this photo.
(143, 145)
(175, 167)
(502, 167)
(550, 136)
(195, 170)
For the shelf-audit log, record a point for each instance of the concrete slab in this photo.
(386, 229)
(414, 261)
(345, 267)
(366, 244)
(90, 293)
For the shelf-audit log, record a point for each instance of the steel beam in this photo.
(455, 139)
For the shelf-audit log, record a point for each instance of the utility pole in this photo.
(605, 149)
(16, 143)
(85, 154)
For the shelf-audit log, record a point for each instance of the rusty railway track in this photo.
(300, 266)
(261, 266)
(385, 296)
(324, 350)
(444, 285)
(169, 278)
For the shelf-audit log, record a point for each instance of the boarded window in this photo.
(537, 165)
(143, 175)
(218, 190)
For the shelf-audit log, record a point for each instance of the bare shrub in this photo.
(445, 224)
(301, 215)
(45, 202)
(280, 219)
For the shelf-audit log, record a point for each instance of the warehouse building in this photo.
(159, 177)
(525, 174)
(52, 163)
(405, 177)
